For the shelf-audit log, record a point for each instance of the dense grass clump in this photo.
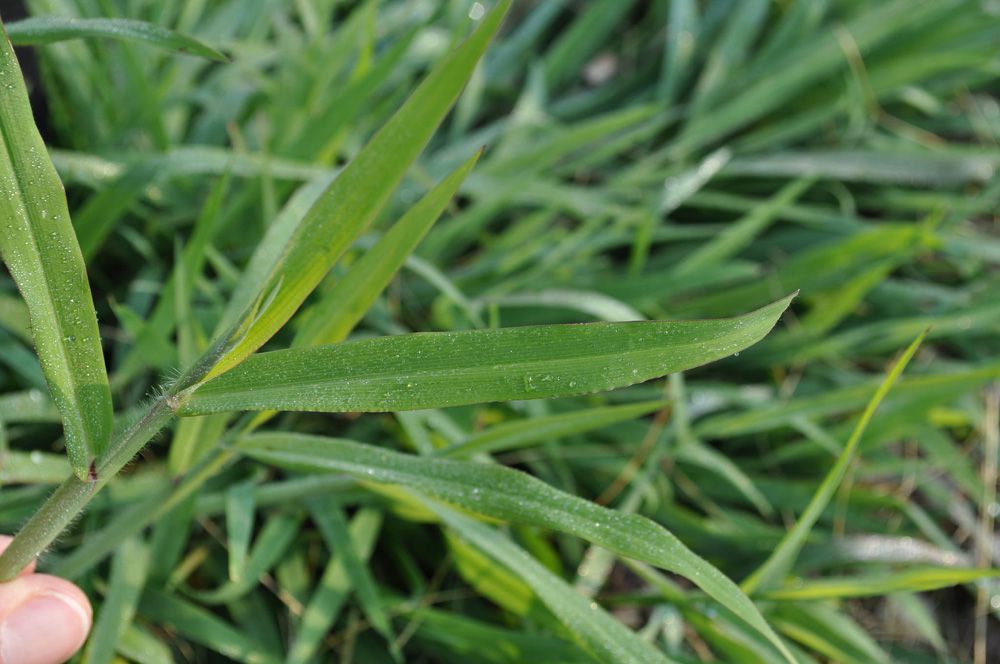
(287, 376)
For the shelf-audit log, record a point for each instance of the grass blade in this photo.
(523, 433)
(333, 524)
(332, 589)
(783, 557)
(510, 495)
(128, 577)
(40, 249)
(271, 544)
(332, 319)
(49, 29)
(588, 622)
(434, 370)
(202, 626)
(240, 512)
(911, 580)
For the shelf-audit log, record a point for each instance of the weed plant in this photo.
(308, 355)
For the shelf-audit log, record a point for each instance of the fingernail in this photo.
(44, 629)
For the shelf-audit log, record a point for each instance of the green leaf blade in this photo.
(510, 495)
(603, 634)
(50, 29)
(40, 249)
(783, 556)
(434, 370)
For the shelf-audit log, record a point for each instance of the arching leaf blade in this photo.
(50, 29)
(509, 495)
(435, 370)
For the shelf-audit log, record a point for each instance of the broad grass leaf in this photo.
(40, 249)
(434, 370)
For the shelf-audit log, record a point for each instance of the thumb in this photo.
(43, 619)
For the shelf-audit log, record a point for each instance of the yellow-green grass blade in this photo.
(49, 29)
(353, 200)
(784, 555)
(40, 249)
(439, 369)
(911, 580)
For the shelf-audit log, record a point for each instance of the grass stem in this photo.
(73, 494)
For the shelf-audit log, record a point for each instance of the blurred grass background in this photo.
(660, 159)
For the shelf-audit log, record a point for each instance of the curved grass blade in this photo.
(783, 557)
(40, 249)
(49, 29)
(602, 633)
(352, 200)
(509, 495)
(435, 370)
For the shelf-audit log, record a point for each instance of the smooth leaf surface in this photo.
(510, 495)
(49, 29)
(40, 249)
(434, 370)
